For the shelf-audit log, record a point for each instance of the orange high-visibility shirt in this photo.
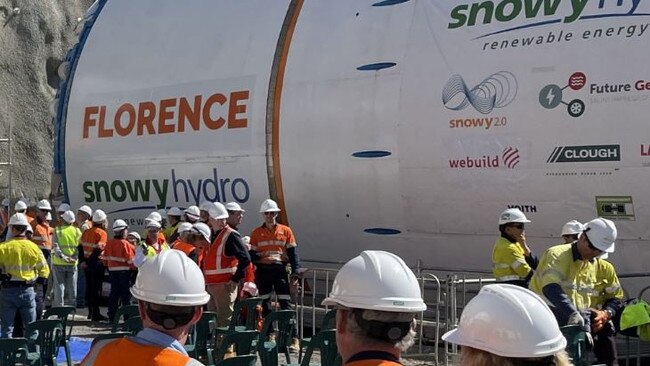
(127, 352)
(92, 238)
(118, 255)
(271, 245)
(42, 234)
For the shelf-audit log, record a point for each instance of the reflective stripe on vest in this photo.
(509, 278)
(219, 268)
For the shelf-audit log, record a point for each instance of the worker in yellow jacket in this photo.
(23, 266)
(512, 260)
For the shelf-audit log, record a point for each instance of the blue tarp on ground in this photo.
(78, 349)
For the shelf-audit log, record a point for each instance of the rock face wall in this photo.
(34, 37)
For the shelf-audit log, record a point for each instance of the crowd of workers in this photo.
(75, 250)
(196, 258)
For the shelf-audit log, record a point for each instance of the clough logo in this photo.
(588, 153)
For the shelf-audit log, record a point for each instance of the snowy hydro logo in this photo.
(496, 91)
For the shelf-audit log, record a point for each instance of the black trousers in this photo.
(94, 280)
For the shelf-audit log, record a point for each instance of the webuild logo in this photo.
(157, 191)
(587, 153)
(509, 159)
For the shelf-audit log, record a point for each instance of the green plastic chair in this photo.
(203, 338)
(244, 343)
(269, 351)
(248, 360)
(132, 325)
(46, 335)
(63, 313)
(576, 344)
(13, 351)
(115, 335)
(250, 306)
(125, 312)
(325, 342)
(328, 322)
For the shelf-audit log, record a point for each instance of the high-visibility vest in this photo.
(508, 261)
(127, 352)
(67, 239)
(271, 245)
(118, 255)
(578, 278)
(42, 235)
(170, 230)
(159, 245)
(607, 285)
(190, 250)
(217, 266)
(23, 260)
(93, 238)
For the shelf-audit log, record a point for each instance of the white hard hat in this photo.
(174, 211)
(86, 209)
(376, 280)
(602, 234)
(183, 227)
(20, 206)
(119, 225)
(269, 205)
(234, 206)
(512, 215)
(170, 278)
(203, 230)
(206, 206)
(18, 219)
(99, 216)
(5, 202)
(134, 234)
(63, 207)
(68, 216)
(509, 321)
(572, 227)
(148, 223)
(48, 217)
(44, 205)
(218, 211)
(154, 216)
(163, 214)
(30, 229)
(193, 212)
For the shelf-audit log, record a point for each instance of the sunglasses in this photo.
(269, 213)
(518, 226)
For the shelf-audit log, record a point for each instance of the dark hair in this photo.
(170, 317)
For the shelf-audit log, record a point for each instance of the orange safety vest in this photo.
(42, 234)
(127, 352)
(271, 245)
(217, 266)
(118, 255)
(95, 237)
(188, 249)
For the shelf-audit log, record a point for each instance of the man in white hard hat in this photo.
(377, 298)
(170, 292)
(43, 237)
(93, 242)
(173, 220)
(224, 265)
(22, 265)
(64, 260)
(578, 285)
(84, 222)
(184, 243)
(59, 212)
(508, 325)
(571, 231)
(118, 257)
(235, 214)
(273, 246)
(512, 260)
(204, 211)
